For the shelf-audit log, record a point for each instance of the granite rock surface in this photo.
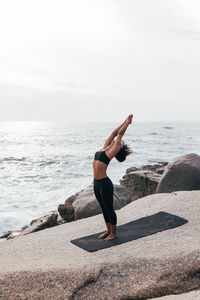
(181, 174)
(46, 265)
(143, 181)
(84, 204)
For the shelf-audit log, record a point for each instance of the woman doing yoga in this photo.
(103, 186)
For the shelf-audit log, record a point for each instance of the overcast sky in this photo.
(99, 60)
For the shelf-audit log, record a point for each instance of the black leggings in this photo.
(103, 190)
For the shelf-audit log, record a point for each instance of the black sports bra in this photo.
(101, 156)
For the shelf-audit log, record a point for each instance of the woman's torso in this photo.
(99, 167)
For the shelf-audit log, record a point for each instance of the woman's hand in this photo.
(129, 119)
(121, 128)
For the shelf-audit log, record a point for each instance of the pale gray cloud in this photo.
(99, 60)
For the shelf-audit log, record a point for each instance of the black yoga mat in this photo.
(131, 231)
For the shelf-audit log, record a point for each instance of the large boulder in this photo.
(46, 265)
(66, 210)
(35, 225)
(181, 174)
(143, 181)
(84, 204)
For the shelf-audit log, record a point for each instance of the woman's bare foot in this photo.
(110, 237)
(103, 235)
(108, 231)
(113, 232)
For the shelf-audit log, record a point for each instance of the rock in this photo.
(6, 234)
(84, 204)
(11, 234)
(71, 199)
(43, 222)
(66, 211)
(81, 205)
(157, 168)
(142, 181)
(24, 227)
(35, 225)
(60, 220)
(181, 174)
(193, 295)
(157, 265)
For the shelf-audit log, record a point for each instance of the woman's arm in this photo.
(117, 145)
(122, 131)
(128, 121)
(114, 134)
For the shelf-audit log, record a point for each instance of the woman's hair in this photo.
(123, 153)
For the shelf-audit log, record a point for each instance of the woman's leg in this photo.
(105, 214)
(106, 192)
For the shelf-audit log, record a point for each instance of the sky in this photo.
(99, 60)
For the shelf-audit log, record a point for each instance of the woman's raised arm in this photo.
(117, 130)
(113, 135)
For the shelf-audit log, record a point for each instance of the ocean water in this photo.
(43, 163)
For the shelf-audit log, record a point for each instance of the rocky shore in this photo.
(40, 262)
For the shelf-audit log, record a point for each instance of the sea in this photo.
(43, 163)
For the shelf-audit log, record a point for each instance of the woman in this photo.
(103, 187)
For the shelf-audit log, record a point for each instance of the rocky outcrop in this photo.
(143, 181)
(192, 295)
(35, 225)
(84, 204)
(160, 264)
(66, 210)
(80, 205)
(181, 174)
(157, 168)
(137, 183)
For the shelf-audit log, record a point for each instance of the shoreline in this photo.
(26, 192)
(42, 261)
(131, 267)
(155, 171)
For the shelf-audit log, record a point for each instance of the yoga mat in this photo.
(131, 231)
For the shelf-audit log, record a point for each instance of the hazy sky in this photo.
(99, 60)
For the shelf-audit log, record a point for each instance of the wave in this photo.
(32, 176)
(168, 127)
(47, 163)
(77, 175)
(11, 158)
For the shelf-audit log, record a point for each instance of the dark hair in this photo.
(123, 153)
